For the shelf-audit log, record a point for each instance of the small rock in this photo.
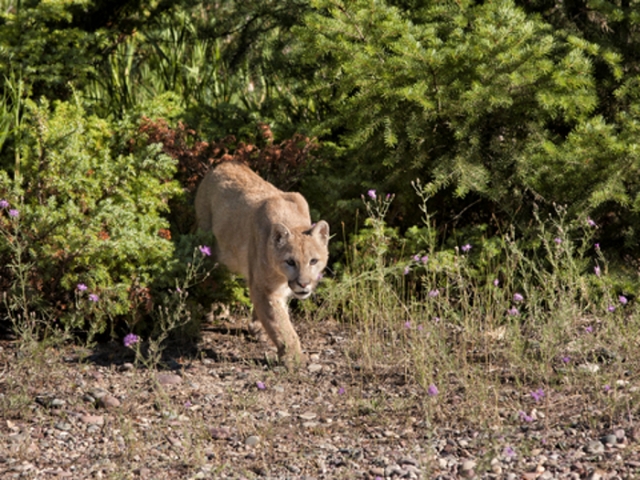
(377, 472)
(308, 416)
(50, 402)
(595, 448)
(220, 433)
(546, 476)
(589, 367)
(609, 439)
(314, 368)
(252, 441)
(620, 434)
(283, 414)
(309, 424)
(468, 465)
(393, 470)
(293, 469)
(408, 461)
(175, 441)
(108, 401)
(92, 419)
(595, 475)
(168, 379)
(64, 426)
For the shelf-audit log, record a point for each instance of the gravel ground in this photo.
(222, 411)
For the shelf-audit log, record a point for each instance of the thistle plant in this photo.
(173, 314)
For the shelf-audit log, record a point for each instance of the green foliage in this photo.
(484, 100)
(90, 203)
(220, 63)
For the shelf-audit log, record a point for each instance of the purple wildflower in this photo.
(432, 391)
(187, 404)
(517, 297)
(436, 319)
(466, 248)
(424, 259)
(566, 359)
(597, 271)
(371, 194)
(596, 246)
(13, 213)
(513, 311)
(407, 324)
(623, 300)
(406, 271)
(589, 329)
(260, 385)
(611, 308)
(558, 240)
(4, 203)
(130, 339)
(388, 196)
(607, 388)
(420, 327)
(590, 222)
(416, 258)
(341, 391)
(93, 297)
(434, 293)
(205, 250)
(509, 452)
(525, 417)
(538, 394)
(81, 287)
(496, 282)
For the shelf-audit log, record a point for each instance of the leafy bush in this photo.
(90, 200)
(492, 106)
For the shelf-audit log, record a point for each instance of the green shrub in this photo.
(90, 200)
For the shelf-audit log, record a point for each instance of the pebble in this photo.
(64, 426)
(308, 416)
(595, 448)
(108, 401)
(590, 367)
(314, 368)
(393, 470)
(252, 441)
(409, 461)
(609, 439)
(220, 433)
(377, 472)
(92, 419)
(468, 465)
(168, 379)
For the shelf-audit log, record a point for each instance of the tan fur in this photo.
(265, 235)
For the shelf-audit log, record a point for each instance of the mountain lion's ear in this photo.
(322, 230)
(280, 235)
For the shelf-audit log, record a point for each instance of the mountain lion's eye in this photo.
(313, 261)
(291, 262)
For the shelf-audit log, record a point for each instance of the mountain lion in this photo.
(265, 235)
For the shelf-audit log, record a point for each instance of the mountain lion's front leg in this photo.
(273, 313)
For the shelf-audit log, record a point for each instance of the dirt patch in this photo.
(226, 410)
